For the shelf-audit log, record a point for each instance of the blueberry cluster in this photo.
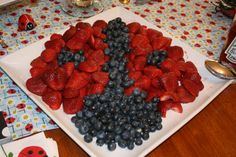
(67, 56)
(155, 58)
(113, 117)
(117, 119)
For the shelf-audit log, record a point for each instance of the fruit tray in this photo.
(17, 66)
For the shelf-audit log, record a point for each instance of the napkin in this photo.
(33, 146)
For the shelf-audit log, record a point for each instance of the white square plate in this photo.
(17, 66)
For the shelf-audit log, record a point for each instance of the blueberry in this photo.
(100, 142)
(138, 141)
(88, 138)
(111, 146)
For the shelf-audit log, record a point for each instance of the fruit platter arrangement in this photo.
(116, 84)
(118, 79)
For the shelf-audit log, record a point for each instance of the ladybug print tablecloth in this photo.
(192, 21)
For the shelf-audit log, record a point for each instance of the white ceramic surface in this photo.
(17, 66)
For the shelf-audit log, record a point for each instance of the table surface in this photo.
(210, 133)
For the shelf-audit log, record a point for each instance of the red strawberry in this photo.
(143, 30)
(99, 44)
(100, 23)
(96, 88)
(139, 39)
(53, 65)
(153, 34)
(70, 93)
(55, 36)
(152, 93)
(164, 106)
(143, 82)
(100, 77)
(167, 65)
(97, 32)
(35, 71)
(78, 80)
(134, 27)
(161, 43)
(56, 44)
(36, 86)
(129, 90)
(38, 63)
(169, 81)
(130, 66)
(135, 75)
(98, 57)
(69, 33)
(49, 54)
(83, 92)
(152, 71)
(169, 96)
(189, 66)
(74, 43)
(139, 62)
(191, 86)
(175, 52)
(184, 95)
(69, 68)
(156, 83)
(83, 25)
(83, 35)
(88, 66)
(142, 49)
(53, 99)
(72, 105)
(55, 79)
(192, 75)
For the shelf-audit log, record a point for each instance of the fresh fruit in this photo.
(36, 86)
(53, 99)
(72, 105)
(77, 80)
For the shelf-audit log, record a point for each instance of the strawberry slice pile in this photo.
(67, 84)
(173, 81)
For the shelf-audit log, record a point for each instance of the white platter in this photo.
(17, 66)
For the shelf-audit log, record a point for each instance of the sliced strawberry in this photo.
(98, 57)
(56, 44)
(88, 66)
(55, 36)
(139, 39)
(169, 81)
(97, 32)
(184, 95)
(143, 30)
(53, 99)
(99, 44)
(189, 66)
(129, 90)
(175, 52)
(142, 49)
(161, 43)
(181, 66)
(70, 93)
(192, 75)
(164, 106)
(38, 63)
(130, 66)
(140, 62)
(35, 71)
(191, 86)
(75, 43)
(53, 65)
(135, 75)
(96, 88)
(83, 35)
(143, 82)
(69, 68)
(49, 54)
(152, 93)
(134, 27)
(169, 96)
(152, 71)
(153, 34)
(167, 65)
(83, 25)
(100, 23)
(100, 77)
(156, 83)
(78, 80)
(83, 92)
(55, 79)
(69, 33)
(36, 86)
(72, 105)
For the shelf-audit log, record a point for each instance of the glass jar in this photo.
(228, 54)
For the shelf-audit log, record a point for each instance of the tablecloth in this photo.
(192, 21)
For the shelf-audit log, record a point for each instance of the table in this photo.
(190, 21)
(210, 133)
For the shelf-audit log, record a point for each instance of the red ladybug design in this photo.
(28, 127)
(26, 22)
(32, 151)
